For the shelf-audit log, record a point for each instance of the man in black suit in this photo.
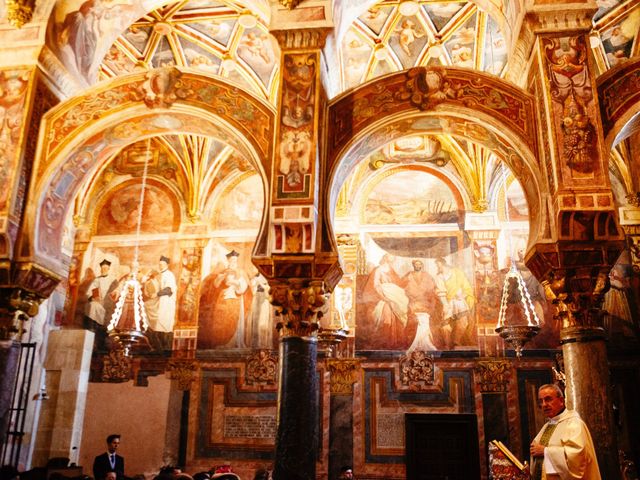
(109, 461)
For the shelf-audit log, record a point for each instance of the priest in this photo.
(563, 448)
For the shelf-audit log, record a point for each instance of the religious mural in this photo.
(423, 282)
(234, 305)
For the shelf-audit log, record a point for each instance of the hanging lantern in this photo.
(129, 320)
(517, 321)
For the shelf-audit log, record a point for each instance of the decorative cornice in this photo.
(312, 38)
(493, 375)
(344, 373)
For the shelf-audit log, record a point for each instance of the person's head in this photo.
(110, 476)
(417, 265)
(163, 263)
(551, 400)
(442, 265)
(113, 442)
(346, 472)
(232, 258)
(104, 266)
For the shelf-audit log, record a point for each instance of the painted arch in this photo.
(80, 135)
(465, 104)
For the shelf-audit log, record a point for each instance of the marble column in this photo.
(9, 353)
(587, 376)
(297, 436)
(343, 375)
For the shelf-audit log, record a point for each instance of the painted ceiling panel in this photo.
(393, 36)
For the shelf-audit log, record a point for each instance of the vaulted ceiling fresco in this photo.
(221, 39)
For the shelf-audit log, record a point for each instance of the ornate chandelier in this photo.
(129, 320)
(517, 321)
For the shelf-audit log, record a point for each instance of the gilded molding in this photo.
(344, 373)
(261, 368)
(417, 370)
(493, 375)
(184, 372)
(20, 12)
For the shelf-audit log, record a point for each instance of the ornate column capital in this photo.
(184, 371)
(20, 12)
(299, 304)
(577, 296)
(344, 373)
(493, 375)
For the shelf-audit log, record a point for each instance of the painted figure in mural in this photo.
(425, 308)
(167, 294)
(224, 306)
(83, 30)
(408, 35)
(618, 318)
(261, 327)
(100, 303)
(456, 294)
(386, 306)
(150, 286)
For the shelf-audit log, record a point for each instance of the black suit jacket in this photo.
(101, 466)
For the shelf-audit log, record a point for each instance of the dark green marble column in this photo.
(297, 437)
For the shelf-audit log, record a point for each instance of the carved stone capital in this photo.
(298, 306)
(344, 373)
(493, 375)
(417, 370)
(20, 12)
(116, 367)
(261, 368)
(634, 199)
(17, 306)
(312, 38)
(184, 371)
(577, 296)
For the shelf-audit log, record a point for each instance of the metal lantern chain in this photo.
(129, 321)
(509, 328)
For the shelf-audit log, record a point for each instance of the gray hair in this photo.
(554, 387)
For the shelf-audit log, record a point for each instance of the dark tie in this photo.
(112, 460)
(544, 441)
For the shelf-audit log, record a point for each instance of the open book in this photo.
(509, 455)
